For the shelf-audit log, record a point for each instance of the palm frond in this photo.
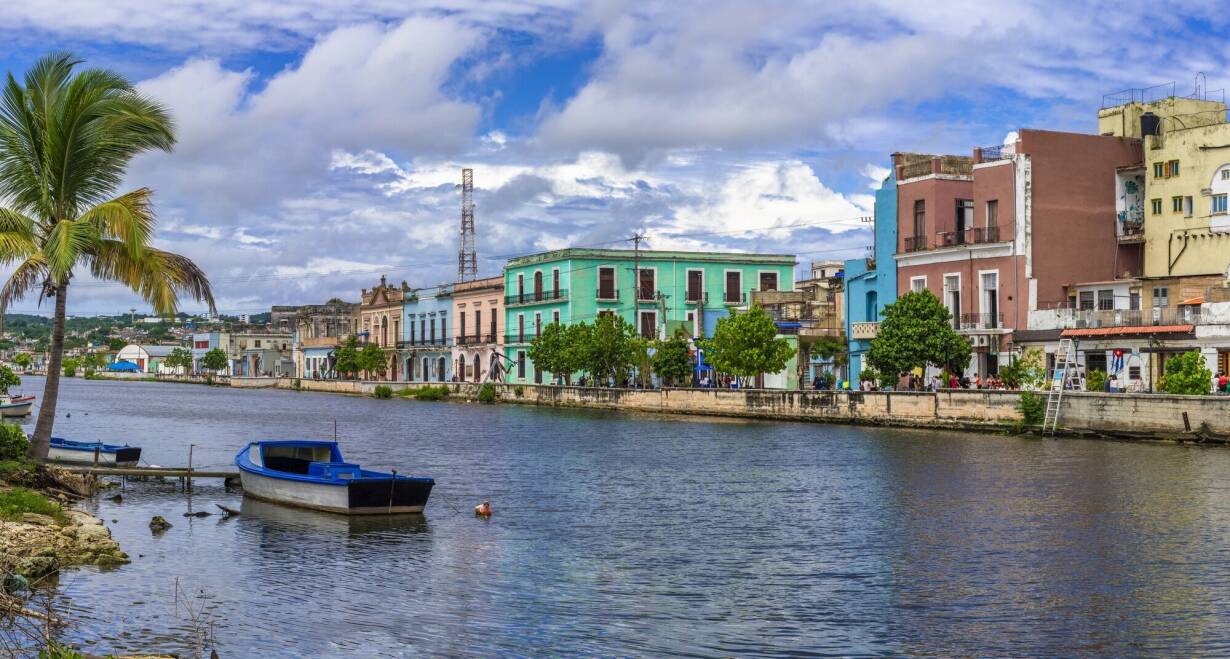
(31, 273)
(159, 277)
(68, 241)
(128, 218)
(17, 238)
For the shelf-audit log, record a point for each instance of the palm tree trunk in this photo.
(40, 444)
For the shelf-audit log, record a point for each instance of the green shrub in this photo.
(17, 501)
(383, 392)
(13, 442)
(519, 391)
(1186, 374)
(431, 393)
(486, 393)
(16, 469)
(1096, 380)
(298, 384)
(1032, 407)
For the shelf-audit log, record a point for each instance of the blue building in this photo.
(426, 334)
(871, 283)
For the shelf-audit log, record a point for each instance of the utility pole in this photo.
(636, 240)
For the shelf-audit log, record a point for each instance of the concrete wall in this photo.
(1128, 415)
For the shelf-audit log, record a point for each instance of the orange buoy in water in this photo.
(483, 509)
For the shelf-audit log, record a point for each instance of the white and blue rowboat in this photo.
(312, 474)
(105, 455)
(15, 406)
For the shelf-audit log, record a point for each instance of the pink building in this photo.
(1010, 229)
(478, 327)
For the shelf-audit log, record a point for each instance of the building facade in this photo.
(248, 354)
(380, 322)
(319, 330)
(478, 330)
(656, 291)
(426, 340)
(871, 282)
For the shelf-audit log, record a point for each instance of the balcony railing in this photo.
(734, 298)
(998, 152)
(977, 321)
(1095, 318)
(536, 297)
(915, 243)
(696, 297)
(974, 236)
(437, 342)
(864, 331)
(647, 295)
(476, 339)
(519, 338)
(608, 295)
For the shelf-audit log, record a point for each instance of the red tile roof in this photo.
(1194, 300)
(1121, 331)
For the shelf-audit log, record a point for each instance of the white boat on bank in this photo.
(104, 455)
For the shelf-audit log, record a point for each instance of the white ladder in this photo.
(1063, 375)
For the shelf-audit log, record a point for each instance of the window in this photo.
(993, 213)
(478, 323)
(555, 316)
(521, 327)
(422, 330)
(521, 364)
(555, 283)
(1106, 300)
(952, 297)
(990, 299)
(537, 375)
(433, 330)
(1086, 300)
(538, 285)
(1133, 372)
(1134, 300)
(649, 324)
(538, 324)
(692, 323)
(463, 325)
(645, 284)
(1159, 169)
(492, 324)
(1172, 168)
(1157, 206)
(696, 284)
(1161, 297)
(964, 219)
(258, 343)
(521, 287)
(1187, 206)
(734, 287)
(1219, 200)
(606, 284)
(918, 284)
(1225, 174)
(920, 217)
(768, 281)
(1176, 204)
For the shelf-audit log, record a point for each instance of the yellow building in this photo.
(1186, 173)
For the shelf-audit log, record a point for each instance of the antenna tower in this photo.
(467, 256)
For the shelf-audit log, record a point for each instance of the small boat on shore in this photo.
(15, 406)
(105, 455)
(312, 474)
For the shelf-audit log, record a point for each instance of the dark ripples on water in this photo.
(638, 535)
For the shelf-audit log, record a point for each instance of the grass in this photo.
(425, 393)
(18, 501)
(382, 392)
(11, 468)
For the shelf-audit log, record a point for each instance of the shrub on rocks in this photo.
(13, 442)
(383, 392)
(486, 393)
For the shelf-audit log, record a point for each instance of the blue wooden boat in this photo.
(105, 455)
(312, 474)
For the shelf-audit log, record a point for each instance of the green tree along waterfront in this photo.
(917, 332)
(1186, 374)
(746, 345)
(66, 138)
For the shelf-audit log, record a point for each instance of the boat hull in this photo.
(359, 497)
(125, 457)
(16, 410)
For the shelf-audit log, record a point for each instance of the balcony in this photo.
(607, 295)
(974, 236)
(475, 339)
(696, 297)
(519, 338)
(981, 321)
(864, 331)
(1065, 318)
(536, 297)
(1131, 234)
(915, 243)
(426, 344)
(647, 295)
(733, 298)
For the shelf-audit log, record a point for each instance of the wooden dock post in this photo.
(189, 477)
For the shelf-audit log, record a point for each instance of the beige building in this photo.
(478, 330)
(319, 329)
(380, 314)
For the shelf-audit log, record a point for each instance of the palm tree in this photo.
(65, 142)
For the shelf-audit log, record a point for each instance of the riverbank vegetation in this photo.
(917, 332)
(429, 392)
(66, 138)
(1187, 375)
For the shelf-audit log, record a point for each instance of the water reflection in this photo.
(274, 518)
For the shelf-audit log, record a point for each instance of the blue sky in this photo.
(320, 141)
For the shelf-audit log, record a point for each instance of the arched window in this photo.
(384, 331)
(873, 307)
(442, 364)
(426, 369)
(461, 367)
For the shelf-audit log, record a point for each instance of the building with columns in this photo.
(380, 322)
(478, 330)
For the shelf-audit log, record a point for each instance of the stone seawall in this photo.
(1124, 415)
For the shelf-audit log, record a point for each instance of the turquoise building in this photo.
(426, 335)
(656, 291)
(871, 283)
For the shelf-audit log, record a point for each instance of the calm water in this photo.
(642, 535)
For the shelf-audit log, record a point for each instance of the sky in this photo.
(321, 142)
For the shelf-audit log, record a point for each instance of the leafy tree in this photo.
(1186, 374)
(917, 331)
(1027, 371)
(370, 359)
(553, 350)
(215, 360)
(69, 366)
(23, 360)
(66, 138)
(672, 360)
(346, 358)
(8, 379)
(1096, 380)
(611, 348)
(746, 345)
(179, 358)
(116, 344)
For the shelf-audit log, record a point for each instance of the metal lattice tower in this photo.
(467, 256)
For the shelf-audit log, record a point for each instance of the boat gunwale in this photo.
(244, 463)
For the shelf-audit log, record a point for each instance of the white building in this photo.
(147, 358)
